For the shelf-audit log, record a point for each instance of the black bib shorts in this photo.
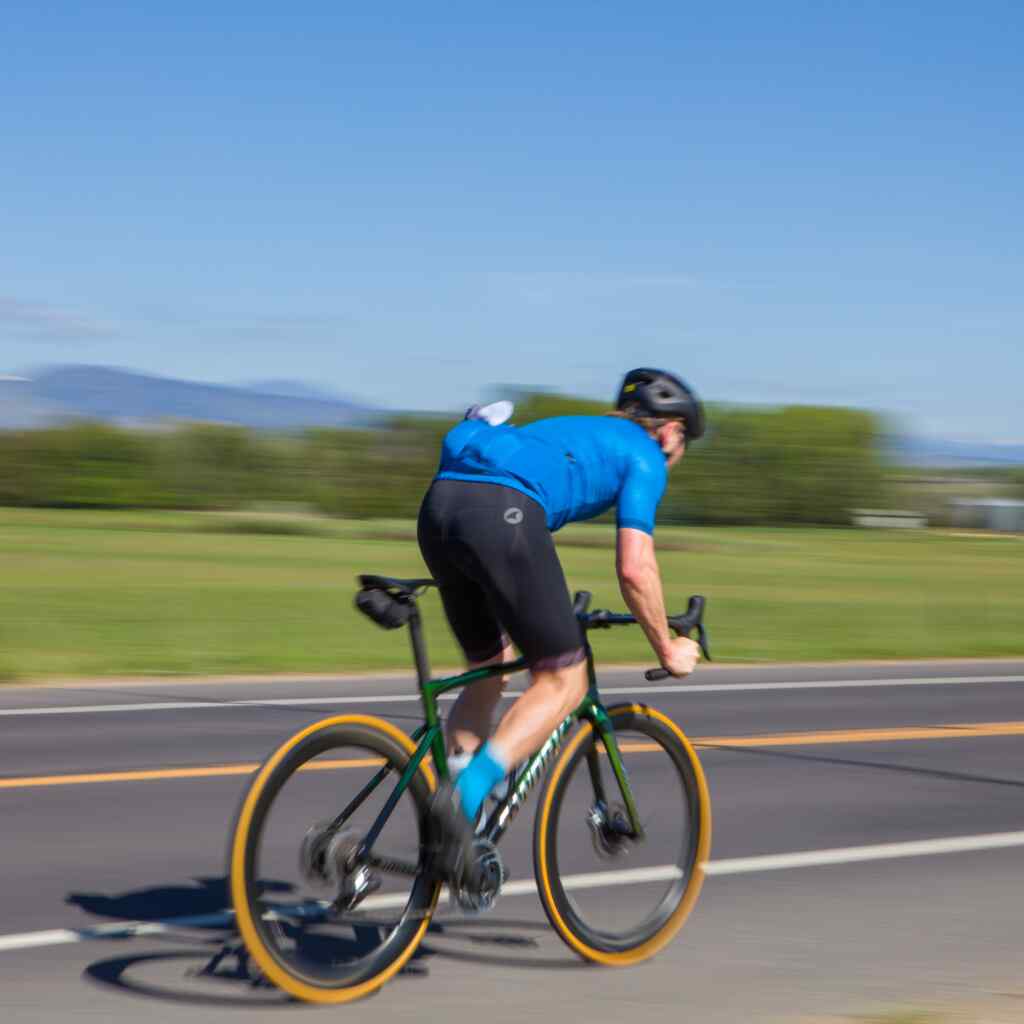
(490, 551)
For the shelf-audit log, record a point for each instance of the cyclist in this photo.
(485, 530)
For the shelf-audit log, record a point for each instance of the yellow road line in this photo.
(804, 739)
(784, 739)
(156, 774)
(932, 732)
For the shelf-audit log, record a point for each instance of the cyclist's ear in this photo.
(672, 440)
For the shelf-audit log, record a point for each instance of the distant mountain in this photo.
(920, 451)
(294, 389)
(20, 407)
(122, 396)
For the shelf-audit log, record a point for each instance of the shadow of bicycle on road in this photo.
(197, 914)
(205, 897)
(218, 972)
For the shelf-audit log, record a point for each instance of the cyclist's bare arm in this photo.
(640, 583)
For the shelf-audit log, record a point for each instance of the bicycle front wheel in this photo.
(615, 898)
(323, 922)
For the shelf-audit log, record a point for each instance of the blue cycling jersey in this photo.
(576, 467)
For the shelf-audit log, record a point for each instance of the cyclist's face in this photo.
(673, 442)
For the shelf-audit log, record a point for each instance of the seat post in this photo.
(419, 645)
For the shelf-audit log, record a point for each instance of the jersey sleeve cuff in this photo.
(635, 524)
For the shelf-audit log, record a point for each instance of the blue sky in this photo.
(787, 202)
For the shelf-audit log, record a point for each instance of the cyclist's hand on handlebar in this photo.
(682, 656)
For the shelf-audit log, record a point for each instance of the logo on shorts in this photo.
(513, 516)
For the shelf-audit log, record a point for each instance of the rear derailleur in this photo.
(328, 858)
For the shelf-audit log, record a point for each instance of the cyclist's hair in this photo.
(634, 414)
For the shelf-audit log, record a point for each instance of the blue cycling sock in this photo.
(478, 779)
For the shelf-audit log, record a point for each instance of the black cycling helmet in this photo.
(663, 395)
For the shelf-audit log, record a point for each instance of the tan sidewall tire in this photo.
(239, 893)
(543, 868)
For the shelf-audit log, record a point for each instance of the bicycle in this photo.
(335, 950)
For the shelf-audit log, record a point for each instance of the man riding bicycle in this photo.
(485, 530)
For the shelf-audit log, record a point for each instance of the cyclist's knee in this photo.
(567, 673)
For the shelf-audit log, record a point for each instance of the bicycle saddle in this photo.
(394, 586)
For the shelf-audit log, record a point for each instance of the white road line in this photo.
(636, 876)
(681, 689)
(29, 940)
(115, 930)
(593, 880)
(856, 854)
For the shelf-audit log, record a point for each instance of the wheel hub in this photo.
(610, 830)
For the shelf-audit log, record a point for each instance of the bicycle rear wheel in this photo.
(317, 928)
(612, 898)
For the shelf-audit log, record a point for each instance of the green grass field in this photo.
(103, 594)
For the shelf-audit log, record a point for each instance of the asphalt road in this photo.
(848, 760)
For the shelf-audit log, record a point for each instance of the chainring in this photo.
(492, 875)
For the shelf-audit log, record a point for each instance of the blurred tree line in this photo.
(755, 466)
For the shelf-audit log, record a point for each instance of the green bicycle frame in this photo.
(430, 740)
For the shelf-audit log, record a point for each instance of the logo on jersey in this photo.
(514, 516)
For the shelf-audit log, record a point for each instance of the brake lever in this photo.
(702, 641)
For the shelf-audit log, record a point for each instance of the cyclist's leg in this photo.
(556, 689)
(472, 715)
(553, 694)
